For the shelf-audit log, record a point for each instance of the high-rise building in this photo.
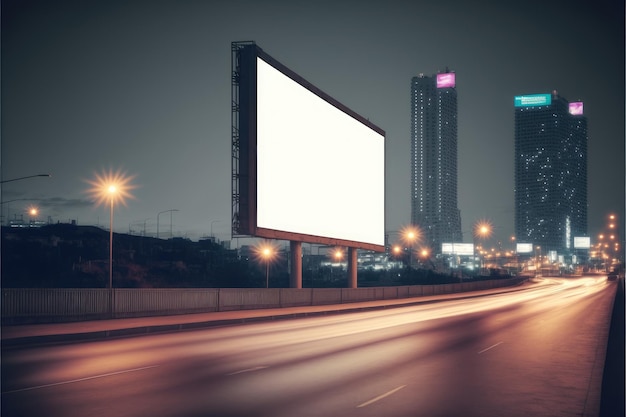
(434, 205)
(550, 171)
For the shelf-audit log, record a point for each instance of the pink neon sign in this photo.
(576, 108)
(446, 80)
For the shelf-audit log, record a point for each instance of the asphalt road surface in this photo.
(536, 350)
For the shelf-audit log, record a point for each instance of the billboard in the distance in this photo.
(582, 242)
(524, 248)
(315, 169)
(463, 249)
(533, 100)
(576, 108)
(447, 79)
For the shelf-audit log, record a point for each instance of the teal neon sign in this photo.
(533, 100)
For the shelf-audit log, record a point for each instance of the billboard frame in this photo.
(244, 147)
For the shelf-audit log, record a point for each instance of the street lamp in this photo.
(267, 252)
(410, 235)
(214, 221)
(33, 211)
(482, 230)
(110, 187)
(18, 179)
(424, 254)
(165, 211)
(338, 254)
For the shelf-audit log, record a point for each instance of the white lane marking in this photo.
(256, 368)
(80, 379)
(490, 347)
(380, 397)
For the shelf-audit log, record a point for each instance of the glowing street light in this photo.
(266, 252)
(483, 229)
(111, 187)
(410, 235)
(33, 211)
(337, 254)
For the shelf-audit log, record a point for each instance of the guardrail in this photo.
(45, 305)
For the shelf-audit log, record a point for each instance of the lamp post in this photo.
(18, 179)
(33, 211)
(337, 256)
(214, 221)
(410, 235)
(165, 211)
(265, 252)
(482, 230)
(111, 187)
(268, 254)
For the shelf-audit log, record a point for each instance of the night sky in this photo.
(143, 87)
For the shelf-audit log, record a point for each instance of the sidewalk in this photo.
(32, 334)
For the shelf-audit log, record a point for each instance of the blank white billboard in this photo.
(464, 249)
(582, 242)
(524, 248)
(319, 171)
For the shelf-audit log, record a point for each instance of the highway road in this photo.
(534, 350)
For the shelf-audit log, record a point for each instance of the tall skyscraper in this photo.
(550, 171)
(434, 205)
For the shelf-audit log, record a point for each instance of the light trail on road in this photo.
(532, 350)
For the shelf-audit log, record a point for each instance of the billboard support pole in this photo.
(295, 278)
(352, 267)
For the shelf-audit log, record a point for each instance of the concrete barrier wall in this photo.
(151, 301)
(30, 305)
(323, 296)
(295, 297)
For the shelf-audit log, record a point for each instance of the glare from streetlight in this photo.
(483, 229)
(410, 234)
(337, 254)
(111, 187)
(265, 251)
